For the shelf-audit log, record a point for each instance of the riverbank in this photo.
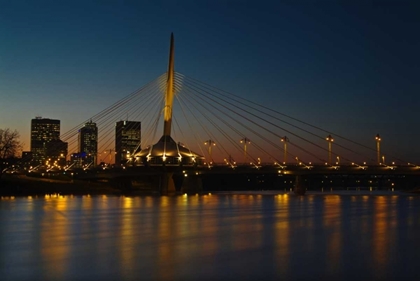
(20, 185)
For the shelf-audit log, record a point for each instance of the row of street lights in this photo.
(245, 141)
(210, 143)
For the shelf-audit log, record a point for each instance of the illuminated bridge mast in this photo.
(166, 153)
(169, 97)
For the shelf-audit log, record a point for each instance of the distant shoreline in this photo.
(26, 186)
(20, 185)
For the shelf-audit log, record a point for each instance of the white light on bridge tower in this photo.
(285, 140)
(378, 148)
(210, 143)
(330, 140)
(245, 141)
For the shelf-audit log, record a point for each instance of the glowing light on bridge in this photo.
(378, 148)
(285, 140)
(330, 140)
(210, 143)
(245, 141)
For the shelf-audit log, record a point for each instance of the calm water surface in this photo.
(319, 236)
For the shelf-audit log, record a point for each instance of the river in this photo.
(225, 236)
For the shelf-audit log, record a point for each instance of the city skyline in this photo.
(350, 68)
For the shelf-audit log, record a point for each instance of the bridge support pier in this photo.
(122, 184)
(192, 184)
(167, 185)
(299, 187)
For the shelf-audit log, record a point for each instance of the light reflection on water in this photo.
(212, 237)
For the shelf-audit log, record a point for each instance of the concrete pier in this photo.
(299, 188)
(192, 184)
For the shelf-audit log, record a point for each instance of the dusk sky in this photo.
(351, 67)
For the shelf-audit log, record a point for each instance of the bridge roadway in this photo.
(292, 170)
(193, 179)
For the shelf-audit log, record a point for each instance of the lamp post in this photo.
(330, 140)
(285, 140)
(245, 141)
(210, 143)
(378, 148)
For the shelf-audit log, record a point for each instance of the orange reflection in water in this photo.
(171, 237)
(383, 232)
(165, 247)
(54, 237)
(363, 222)
(246, 222)
(127, 237)
(282, 232)
(332, 223)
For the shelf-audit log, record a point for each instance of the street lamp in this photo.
(330, 139)
(285, 140)
(245, 141)
(210, 143)
(378, 148)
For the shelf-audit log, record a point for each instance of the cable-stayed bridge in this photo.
(210, 131)
(207, 115)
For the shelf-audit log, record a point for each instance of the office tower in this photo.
(43, 130)
(88, 143)
(127, 140)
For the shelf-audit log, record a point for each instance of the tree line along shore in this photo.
(26, 186)
(21, 185)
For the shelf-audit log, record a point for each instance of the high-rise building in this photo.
(88, 143)
(43, 130)
(127, 140)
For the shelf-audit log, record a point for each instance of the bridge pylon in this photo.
(167, 153)
(167, 185)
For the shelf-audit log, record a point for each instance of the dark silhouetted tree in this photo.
(10, 146)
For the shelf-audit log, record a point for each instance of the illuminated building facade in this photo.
(127, 140)
(43, 130)
(88, 143)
